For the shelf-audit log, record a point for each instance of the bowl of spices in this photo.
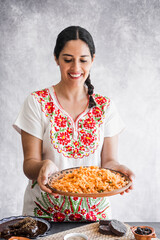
(143, 232)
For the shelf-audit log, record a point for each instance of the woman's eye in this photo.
(70, 60)
(83, 61)
(66, 60)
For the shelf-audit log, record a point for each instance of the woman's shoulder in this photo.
(41, 96)
(41, 100)
(43, 93)
(101, 100)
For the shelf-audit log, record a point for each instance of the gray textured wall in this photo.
(127, 69)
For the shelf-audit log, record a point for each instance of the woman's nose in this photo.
(75, 66)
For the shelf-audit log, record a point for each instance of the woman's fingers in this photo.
(42, 181)
(121, 193)
(44, 178)
(131, 187)
(128, 173)
(131, 175)
(47, 169)
(55, 194)
(45, 188)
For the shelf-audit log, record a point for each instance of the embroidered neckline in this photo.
(73, 139)
(52, 90)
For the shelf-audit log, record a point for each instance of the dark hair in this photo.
(74, 33)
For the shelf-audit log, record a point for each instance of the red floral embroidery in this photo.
(82, 131)
(75, 198)
(83, 211)
(82, 148)
(76, 143)
(75, 217)
(100, 100)
(91, 216)
(75, 152)
(50, 209)
(63, 138)
(56, 129)
(70, 208)
(69, 130)
(87, 139)
(56, 207)
(68, 148)
(60, 121)
(94, 206)
(39, 212)
(49, 107)
(58, 217)
(42, 93)
(97, 112)
(57, 112)
(84, 140)
(67, 211)
(89, 123)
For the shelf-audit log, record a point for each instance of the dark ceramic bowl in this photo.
(43, 225)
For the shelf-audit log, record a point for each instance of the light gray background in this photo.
(126, 69)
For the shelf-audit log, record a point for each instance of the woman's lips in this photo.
(75, 75)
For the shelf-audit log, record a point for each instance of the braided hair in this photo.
(74, 33)
(90, 92)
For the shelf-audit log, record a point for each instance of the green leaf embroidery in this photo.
(85, 204)
(55, 200)
(78, 204)
(34, 183)
(73, 205)
(47, 200)
(41, 203)
(102, 205)
(44, 200)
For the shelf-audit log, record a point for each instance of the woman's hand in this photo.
(109, 159)
(126, 171)
(46, 170)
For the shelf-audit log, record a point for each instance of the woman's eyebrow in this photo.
(65, 54)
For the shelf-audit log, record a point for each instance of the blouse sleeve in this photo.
(113, 122)
(30, 118)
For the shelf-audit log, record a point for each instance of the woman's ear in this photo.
(93, 58)
(56, 60)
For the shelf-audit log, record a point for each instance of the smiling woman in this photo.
(67, 125)
(76, 45)
(74, 65)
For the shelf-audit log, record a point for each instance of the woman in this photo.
(65, 126)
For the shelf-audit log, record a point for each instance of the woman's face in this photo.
(75, 62)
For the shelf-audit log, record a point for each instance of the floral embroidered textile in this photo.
(74, 139)
(72, 209)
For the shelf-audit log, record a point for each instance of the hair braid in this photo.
(90, 92)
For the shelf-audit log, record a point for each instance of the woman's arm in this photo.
(33, 166)
(109, 157)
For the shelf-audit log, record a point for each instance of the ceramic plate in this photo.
(43, 225)
(58, 175)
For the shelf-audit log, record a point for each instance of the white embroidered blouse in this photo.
(67, 143)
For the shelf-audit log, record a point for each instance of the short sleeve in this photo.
(113, 123)
(30, 118)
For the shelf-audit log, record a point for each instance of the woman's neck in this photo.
(71, 93)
